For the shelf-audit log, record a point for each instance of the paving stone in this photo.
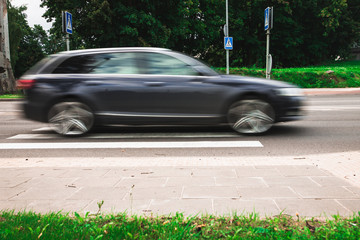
(127, 172)
(289, 181)
(96, 182)
(41, 172)
(269, 192)
(100, 193)
(149, 172)
(189, 207)
(65, 206)
(241, 182)
(9, 172)
(324, 192)
(6, 182)
(85, 172)
(154, 193)
(190, 181)
(120, 206)
(49, 182)
(49, 193)
(210, 192)
(7, 193)
(31, 172)
(311, 207)
(330, 181)
(352, 205)
(170, 172)
(17, 206)
(215, 171)
(231, 207)
(291, 171)
(256, 172)
(142, 183)
(355, 190)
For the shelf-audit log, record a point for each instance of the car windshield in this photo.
(197, 64)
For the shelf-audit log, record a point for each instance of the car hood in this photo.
(236, 79)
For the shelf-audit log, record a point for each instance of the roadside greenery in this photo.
(29, 225)
(339, 74)
(304, 33)
(11, 96)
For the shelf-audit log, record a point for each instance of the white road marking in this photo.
(121, 145)
(331, 108)
(131, 135)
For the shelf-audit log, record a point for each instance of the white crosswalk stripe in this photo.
(129, 135)
(122, 145)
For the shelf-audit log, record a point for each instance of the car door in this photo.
(148, 87)
(178, 88)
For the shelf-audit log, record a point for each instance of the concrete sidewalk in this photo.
(220, 186)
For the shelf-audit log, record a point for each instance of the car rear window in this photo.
(39, 65)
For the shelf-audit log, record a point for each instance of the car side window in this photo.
(161, 64)
(110, 63)
(77, 64)
(117, 63)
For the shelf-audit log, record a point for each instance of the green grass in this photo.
(11, 96)
(29, 225)
(332, 75)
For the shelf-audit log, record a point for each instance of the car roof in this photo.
(104, 50)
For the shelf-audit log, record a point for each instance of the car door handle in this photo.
(93, 83)
(196, 80)
(155, 84)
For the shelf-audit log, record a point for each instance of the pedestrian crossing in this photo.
(130, 140)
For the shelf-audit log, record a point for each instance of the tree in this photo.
(27, 45)
(305, 32)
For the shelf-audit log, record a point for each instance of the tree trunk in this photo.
(7, 80)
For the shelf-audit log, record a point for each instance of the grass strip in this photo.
(332, 75)
(11, 96)
(29, 225)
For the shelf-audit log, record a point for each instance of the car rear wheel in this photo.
(251, 116)
(71, 118)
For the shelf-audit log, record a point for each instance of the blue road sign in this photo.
(68, 22)
(228, 43)
(268, 18)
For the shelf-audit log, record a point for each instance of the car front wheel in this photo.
(251, 116)
(71, 118)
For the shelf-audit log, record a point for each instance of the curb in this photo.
(330, 91)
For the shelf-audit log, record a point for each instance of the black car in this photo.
(76, 90)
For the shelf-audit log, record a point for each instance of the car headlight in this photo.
(289, 92)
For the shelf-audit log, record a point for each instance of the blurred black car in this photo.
(77, 90)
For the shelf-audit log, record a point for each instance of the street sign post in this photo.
(67, 27)
(226, 31)
(269, 16)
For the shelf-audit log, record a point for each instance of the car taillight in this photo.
(25, 83)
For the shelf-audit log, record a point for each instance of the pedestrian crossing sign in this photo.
(228, 43)
(68, 22)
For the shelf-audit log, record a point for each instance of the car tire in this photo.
(251, 116)
(71, 118)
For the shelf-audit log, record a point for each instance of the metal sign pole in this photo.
(67, 42)
(227, 35)
(269, 16)
(268, 54)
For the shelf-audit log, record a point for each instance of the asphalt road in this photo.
(331, 125)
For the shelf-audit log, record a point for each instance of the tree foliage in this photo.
(27, 45)
(305, 32)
